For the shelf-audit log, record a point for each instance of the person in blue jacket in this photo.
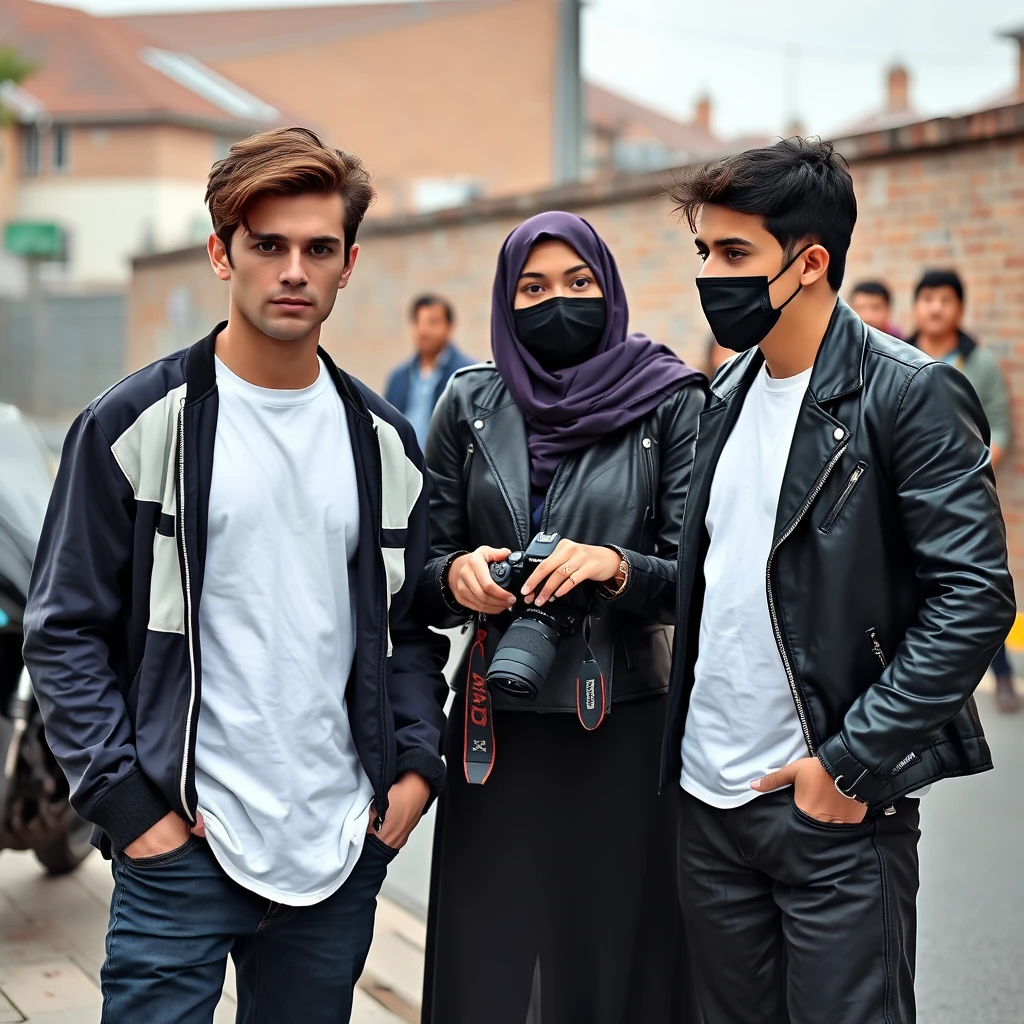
(415, 386)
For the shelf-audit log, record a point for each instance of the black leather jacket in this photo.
(627, 492)
(887, 580)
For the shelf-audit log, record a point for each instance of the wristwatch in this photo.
(613, 587)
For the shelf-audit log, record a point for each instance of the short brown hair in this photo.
(285, 162)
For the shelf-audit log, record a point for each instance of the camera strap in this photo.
(478, 750)
(590, 688)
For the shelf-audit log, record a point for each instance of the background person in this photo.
(552, 884)
(416, 385)
(938, 319)
(872, 302)
(220, 627)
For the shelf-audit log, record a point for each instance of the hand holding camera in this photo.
(470, 582)
(569, 565)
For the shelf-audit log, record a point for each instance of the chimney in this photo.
(702, 112)
(1018, 37)
(898, 100)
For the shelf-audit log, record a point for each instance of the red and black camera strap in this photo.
(478, 751)
(591, 695)
(478, 747)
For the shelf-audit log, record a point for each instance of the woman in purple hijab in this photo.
(558, 475)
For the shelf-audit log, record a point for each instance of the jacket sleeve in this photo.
(449, 529)
(995, 400)
(391, 395)
(416, 687)
(945, 498)
(651, 586)
(75, 601)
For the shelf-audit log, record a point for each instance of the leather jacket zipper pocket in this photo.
(468, 459)
(648, 456)
(876, 646)
(844, 496)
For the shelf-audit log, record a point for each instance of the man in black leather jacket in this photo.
(842, 588)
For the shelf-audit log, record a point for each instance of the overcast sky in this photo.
(764, 61)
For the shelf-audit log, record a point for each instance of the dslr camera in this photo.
(525, 653)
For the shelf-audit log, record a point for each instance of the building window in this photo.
(31, 153)
(61, 148)
(430, 194)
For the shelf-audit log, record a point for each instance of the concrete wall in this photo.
(959, 205)
(57, 357)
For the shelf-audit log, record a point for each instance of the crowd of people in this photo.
(724, 633)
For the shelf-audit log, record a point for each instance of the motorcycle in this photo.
(35, 808)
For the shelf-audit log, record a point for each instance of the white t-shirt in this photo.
(742, 721)
(284, 796)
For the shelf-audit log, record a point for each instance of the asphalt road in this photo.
(971, 938)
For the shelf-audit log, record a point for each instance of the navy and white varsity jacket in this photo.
(112, 641)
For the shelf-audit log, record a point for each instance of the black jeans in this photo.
(793, 921)
(174, 919)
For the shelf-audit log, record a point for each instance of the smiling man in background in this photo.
(220, 629)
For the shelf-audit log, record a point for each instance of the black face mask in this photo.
(561, 332)
(739, 309)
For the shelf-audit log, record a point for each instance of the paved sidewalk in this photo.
(51, 949)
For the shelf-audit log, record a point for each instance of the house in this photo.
(447, 101)
(110, 139)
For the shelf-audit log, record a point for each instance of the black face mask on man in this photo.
(739, 309)
(561, 332)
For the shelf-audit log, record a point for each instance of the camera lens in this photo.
(523, 657)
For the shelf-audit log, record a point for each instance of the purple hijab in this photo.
(625, 379)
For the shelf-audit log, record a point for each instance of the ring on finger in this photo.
(567, 569)
(572, 579)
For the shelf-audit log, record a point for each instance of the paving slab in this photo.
(48, 987)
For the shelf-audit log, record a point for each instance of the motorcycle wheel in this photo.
(65, 852)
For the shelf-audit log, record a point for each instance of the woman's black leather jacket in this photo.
(626, 492)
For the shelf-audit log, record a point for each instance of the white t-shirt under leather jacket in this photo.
(111, 630)
(886, 581)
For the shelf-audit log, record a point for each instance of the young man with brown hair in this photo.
(842, 588)
(220, 627)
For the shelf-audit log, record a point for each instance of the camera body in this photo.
(525, 653)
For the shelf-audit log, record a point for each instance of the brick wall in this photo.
(962, 205)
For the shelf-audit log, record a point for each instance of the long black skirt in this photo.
(553, 890)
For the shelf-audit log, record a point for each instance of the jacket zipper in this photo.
(549, 500)
(648, 446)
(876, 647)
(844, 496)
(382, 802)
(188, 613)
(794, 689)
(468, 459)
(504, 493)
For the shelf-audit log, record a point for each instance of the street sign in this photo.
(34, 239)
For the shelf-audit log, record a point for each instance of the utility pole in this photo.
(568, 99)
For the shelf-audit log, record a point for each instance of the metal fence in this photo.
(59, 354)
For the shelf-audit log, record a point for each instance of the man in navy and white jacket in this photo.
(220, 628)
